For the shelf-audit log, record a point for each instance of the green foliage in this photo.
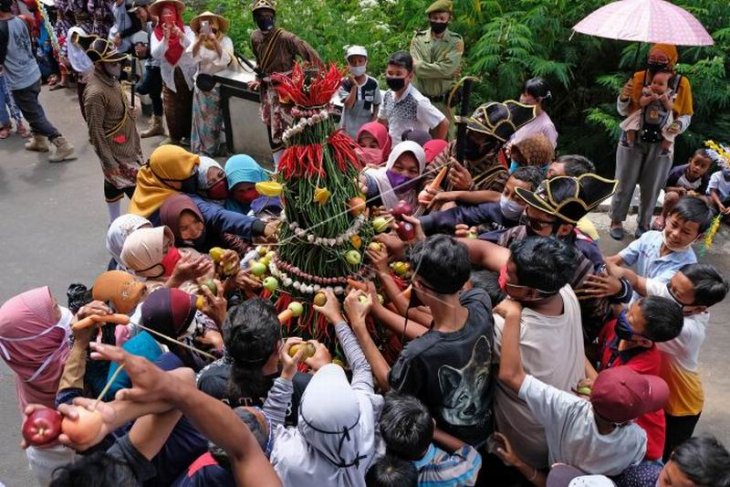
(509, 41)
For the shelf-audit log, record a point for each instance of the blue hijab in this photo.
(242, 169)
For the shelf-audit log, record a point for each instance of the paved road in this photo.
(52, 227)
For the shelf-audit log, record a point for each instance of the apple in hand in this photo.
(42, 426)
(406, 231)
(85, 428)
(402, 208)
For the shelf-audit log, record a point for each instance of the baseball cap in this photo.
(566, 476)
(620, 394)
(356, 51)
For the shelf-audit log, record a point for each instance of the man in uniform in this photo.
(112, 129)
(437, 53)
(276, 51)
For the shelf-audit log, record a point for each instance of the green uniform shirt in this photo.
(437, 62)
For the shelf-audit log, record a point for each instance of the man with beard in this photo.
(276, 51)
(553, 210)
(112, 129)
(491, 125)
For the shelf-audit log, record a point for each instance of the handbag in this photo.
(205, 82)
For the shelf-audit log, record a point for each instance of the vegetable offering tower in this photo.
(325, 230)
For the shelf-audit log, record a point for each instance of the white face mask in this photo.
(64, 323)
(510, 209)
(358, 70)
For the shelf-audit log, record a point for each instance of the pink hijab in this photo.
(34, 344)
(377, 131)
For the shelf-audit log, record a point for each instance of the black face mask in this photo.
(655, 67)
(472, 151)
(395, 84)
(265, 23)
(190, 185)
(439, 27)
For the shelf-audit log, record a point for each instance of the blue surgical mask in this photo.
(513, 166)
(623, 328)
(510, 209)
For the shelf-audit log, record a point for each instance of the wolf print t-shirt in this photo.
(451, 372)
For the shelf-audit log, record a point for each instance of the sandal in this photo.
(22, 131)
(52, 80)
(4, 132)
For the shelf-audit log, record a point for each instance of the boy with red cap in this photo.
(596, 436)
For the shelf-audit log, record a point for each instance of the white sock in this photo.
(114, 209)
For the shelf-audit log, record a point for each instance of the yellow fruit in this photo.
(309, 351)
(199, 302)
(320, 299)
(261, 250)
(216, 253)
(400, 268)
(322, 195)
(375, 246)
(356, 241)
(272, 189)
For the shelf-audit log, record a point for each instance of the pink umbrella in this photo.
(652, 21)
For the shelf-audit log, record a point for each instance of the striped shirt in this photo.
(438, 468)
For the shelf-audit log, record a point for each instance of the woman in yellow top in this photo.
(646, 162)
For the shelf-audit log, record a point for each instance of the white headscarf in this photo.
(205, 164)
(120, 229)
(389, 197)
(80, 62)
(334, 442)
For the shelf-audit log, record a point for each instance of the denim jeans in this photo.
(152, 85)
(27, 101)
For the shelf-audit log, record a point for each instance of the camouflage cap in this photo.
(263, 4)
(441, 6)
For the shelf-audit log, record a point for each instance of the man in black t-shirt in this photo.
(449, 367)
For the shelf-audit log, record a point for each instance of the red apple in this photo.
(402, 208)
(85, 428)
(406, 231)
(42, 426)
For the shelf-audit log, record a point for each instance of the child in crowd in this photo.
(359, 93)
(660, 254)
(404, 107)
(655, 117)
(631, 340)
(718, 190)
(407, 429)
(390, 471)
(695, 287)
(492, 217)
(687, 179)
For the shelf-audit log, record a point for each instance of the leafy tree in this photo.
(509, 41)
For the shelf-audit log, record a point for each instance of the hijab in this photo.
(682, 101)
(334, 441)
(390, 197)
(143, 251)
(175, 48)
(34, 344)
(167, 163)
(207, 163)
(169, 311)
(171, 211)
(242, 169)
(120, 289)
(120, 229)
(377, 131)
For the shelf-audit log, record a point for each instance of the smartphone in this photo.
(205, 27)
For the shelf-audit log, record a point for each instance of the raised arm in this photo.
(486, 254)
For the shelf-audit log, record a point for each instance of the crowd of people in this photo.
(495, 344)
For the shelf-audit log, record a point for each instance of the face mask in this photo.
(438, 27)
(395, 84)
(655, 67)
(64, 324)
(248, 196)
(623, 328)
(190, 185)
(370, 156)
(473, 151)
(513, 166)
(510, 209)
(358, 70)
(114, 70)
(265, 23)
(399, 182)
(673, 249)
(219, 191)
(169, 261)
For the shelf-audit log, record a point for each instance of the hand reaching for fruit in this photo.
(79, 426)
(418, 233)
(378, 255)
(215, 305)
(331, 308)
(190, 268)
(321, 356)
(357, 307)
(288, 361)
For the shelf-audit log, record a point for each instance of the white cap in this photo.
(140, 37)
(356, 51)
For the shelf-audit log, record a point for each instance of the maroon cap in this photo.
(620, 394)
